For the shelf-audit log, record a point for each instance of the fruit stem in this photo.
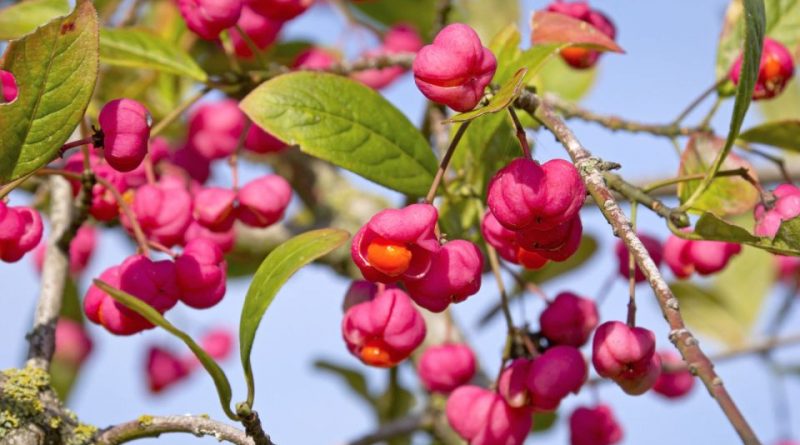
(437, 180)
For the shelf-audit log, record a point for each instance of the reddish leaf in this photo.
(552, 27)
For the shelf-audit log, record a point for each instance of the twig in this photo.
(443, 8)
(698, 101)
(176, 113)
(402, 60)
(613, 123)
(634, 193)
(521, 135)
(680, 336)
(55, 270)
(154, 426)
(437, 180)
(396, 428)
(495, 265)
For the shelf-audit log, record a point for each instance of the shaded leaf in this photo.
(153, 316)
(354, 379)
(555, 269)
(486, 17)
(64, 374)
(56, 70)
(505, 47)
(707, 312)
(23, 17)
(789, 234)
(544, 420)
(555, 76)
(273, 273)
(139, 48)
(782, 134)
(344, 122)
(712, 228)
(728, 309)
(507, 94)
(552, 27)
(729, 195)
(784, 106)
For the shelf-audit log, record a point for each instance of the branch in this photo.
(614, 123)
(402, 60)
(54, 275)
(147, 426)
(397, 428)
(634, 193)
(680, 336)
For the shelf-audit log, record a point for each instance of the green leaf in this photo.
(789, 234)
(727, 195)
(153, 316)
(706, 311)
(344, 122)
(354, 379)
(784, 106)
(486, 17)
(782, 134)
(274, 271)
(557, 77)
(419, 13)
(139, 48)
(549, 272)
(712, 228)
(505, 47)
(783, 21)
(554, 269)
(544, 421)
(730, 39)
(23, 17)
(728, 309)
(754, 24)
(488, 145)
(56, 69)
(507, 94)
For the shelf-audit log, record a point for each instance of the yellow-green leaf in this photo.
(56, 69)
(23, 17)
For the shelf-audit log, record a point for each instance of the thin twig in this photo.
(698, 101)
(521, 135)
(397, 428)
(614, 123)
(680, 336)
(634, 193)
(437, 180)
(176, 113)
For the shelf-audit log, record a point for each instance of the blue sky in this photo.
(670, 51)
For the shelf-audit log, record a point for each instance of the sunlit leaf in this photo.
(552, 27)
(273, 273)
(55, 68)
(153, 316)
(23, 17)
(782, 134)
(507, 94)
(140, 48)
(346, 123)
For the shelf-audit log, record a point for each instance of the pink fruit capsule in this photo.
(208, 18)
(263, 201)
(569, 319)
(455, 68)
(163, 369)
(261, 30)
(594, 426)
(126, 130)
(201, 274)
(482, 417)
(774, 72)
(8, 86)
(454, 275)
(384, 331)
(446, 367)
(396, 244)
